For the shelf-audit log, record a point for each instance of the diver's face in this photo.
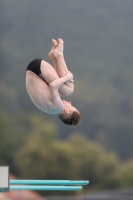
(68, 106)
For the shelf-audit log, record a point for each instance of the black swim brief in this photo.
(34, 66)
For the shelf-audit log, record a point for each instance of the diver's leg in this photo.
(49, 74)
(57, 56)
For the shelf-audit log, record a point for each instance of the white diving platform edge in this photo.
(4, 178)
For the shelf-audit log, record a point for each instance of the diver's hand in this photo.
(70, 77)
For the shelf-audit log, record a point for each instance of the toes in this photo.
(60, 44)
(60, 40)
(54, 43)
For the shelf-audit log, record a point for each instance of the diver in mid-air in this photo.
(45, 84)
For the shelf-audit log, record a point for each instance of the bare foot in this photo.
(54, 45)
(57, 49)
(60, 45)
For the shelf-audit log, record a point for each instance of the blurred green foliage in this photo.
(34, 151)
(98, 50)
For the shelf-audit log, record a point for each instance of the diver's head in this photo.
(70, 115)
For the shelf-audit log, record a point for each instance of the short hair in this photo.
(72, 119)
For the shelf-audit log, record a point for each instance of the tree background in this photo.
(98, 50)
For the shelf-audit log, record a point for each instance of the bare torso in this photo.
(45, 92)
(39, 93)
